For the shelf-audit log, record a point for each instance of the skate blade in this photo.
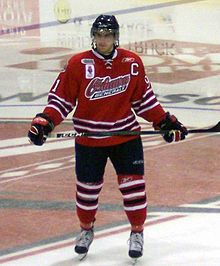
(82, 256)
(134, 261)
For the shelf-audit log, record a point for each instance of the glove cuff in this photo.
(166, 123)
(50, 126)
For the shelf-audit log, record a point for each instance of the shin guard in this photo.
(87, 200)
(132, 188)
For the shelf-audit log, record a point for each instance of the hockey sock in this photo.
(132, 188)
(87, 202)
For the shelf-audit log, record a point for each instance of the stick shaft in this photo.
(71, 134)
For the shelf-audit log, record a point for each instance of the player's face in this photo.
(104, 42)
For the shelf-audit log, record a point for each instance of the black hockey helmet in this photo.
(108, 24)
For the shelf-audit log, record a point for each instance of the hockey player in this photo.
(107, 86)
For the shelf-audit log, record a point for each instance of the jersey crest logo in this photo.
(90, 71)
(105, 87)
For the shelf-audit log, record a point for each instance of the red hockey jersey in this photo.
(106, 94)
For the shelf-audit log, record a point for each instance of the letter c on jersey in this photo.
(134, 72)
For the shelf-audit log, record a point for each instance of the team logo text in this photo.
(106, 87)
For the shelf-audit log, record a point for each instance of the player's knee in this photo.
(132, 187)
(87, 195)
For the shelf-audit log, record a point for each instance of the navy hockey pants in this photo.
(127, 159)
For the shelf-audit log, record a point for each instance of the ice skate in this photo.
(83, 241)
(136, 242)
(134, 261)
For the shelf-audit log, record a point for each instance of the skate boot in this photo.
(83, 241)
(136, 243)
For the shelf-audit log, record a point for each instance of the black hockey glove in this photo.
(41, 126)
(176, 132)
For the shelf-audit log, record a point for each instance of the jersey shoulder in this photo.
(81, 57)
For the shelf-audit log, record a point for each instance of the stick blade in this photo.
(216, 128)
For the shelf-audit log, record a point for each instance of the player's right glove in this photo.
(41, 126)
(176, 130)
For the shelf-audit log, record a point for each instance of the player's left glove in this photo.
(176, 129)
(41, 126)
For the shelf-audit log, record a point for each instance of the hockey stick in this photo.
(71, 134)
